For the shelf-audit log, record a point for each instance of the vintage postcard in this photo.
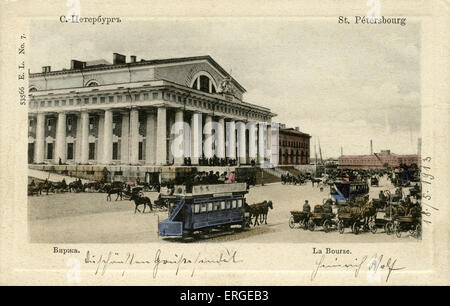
(224, 142)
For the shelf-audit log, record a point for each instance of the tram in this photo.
(344, 191)
(205, 208)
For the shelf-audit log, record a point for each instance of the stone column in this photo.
(150, 139)
(107, 137)
(241, 139)
(84, 137)
(207, 130)
(252, 145)
(196, 137)
(261, 142)
(220, 138)
(231, 139)
(78, 140)
(177, 147)
(100, 133)
(60, 146)
(161, 137)
(269, 143)
(171, 120)
(124, 145)
(134, 136)
(40, 139)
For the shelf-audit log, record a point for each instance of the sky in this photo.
(342, 84)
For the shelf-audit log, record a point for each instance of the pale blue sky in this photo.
(342, 84)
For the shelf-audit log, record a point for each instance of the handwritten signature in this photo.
(178, 261)
(374, 265)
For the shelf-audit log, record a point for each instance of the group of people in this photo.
(214, 178)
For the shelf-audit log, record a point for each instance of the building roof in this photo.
(294, 131)
(104, 65)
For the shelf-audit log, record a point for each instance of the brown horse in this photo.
(138, 201)
(260, 211)
(109, 189)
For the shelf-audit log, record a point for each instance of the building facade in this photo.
(293, 146)
(384, 159)
(147, 112)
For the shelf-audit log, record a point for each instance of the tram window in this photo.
(196, 208)
(234, 204)
(216, 205)
(222, 205)
(203, 207)
(239, 203)
(210, 206)
(228, 204)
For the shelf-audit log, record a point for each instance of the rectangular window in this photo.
(141, 151)
(50, 151)
(210, 206)
(137, 97)
(119, 98)
(222, 205)
(102, 99)
(70, 151)
(92, 150)
(196, 208)
(203, 207)
(234, 203)
(115, 151)
(216, 205)
(228, 205)
(239, 203)
(111, 99)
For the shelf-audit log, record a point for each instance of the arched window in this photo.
(32, 88)
(92, 83)
(204, 82)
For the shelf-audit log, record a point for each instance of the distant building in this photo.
(294, 146)
(384, 159)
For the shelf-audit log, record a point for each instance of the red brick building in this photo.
(294, 147)
(384, 159)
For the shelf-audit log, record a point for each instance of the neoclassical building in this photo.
(124, 113)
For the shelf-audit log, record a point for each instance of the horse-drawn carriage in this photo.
(357, 216)
(206, 208)
(299, 217)
(321, 217)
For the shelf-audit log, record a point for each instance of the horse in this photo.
(258, 210)
(32, 189)
(265, 211)
(113, 190)
(76, 186)
(138, 200)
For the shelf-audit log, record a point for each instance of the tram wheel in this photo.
(291, 222)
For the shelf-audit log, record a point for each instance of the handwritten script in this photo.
(375, 264)
(120, 261)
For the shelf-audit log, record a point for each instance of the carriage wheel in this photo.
(355, 228)
(418, 231)
(397, 230)
(311, 225)
(389, 228)
(291, 222)
(373, 227)
(341, 227)
(326, 226)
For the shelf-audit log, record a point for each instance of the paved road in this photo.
(89, 218)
